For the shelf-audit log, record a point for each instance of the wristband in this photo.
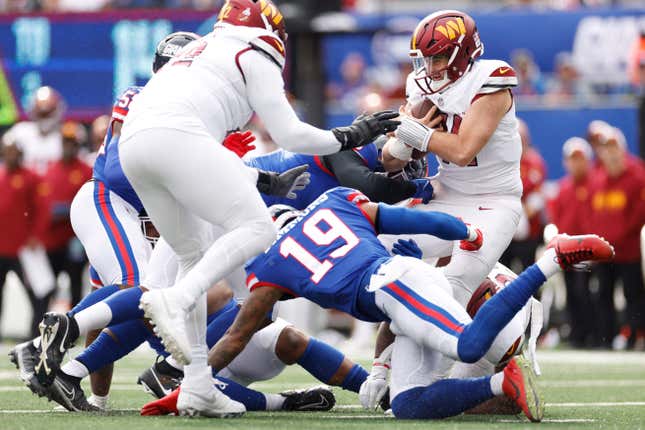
(414, 134)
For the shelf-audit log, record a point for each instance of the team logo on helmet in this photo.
(453, 29)
(270, 11)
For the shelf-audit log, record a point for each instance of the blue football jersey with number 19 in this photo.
(326, 256)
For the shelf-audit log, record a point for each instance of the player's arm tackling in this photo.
(398, 220)
(248, 321)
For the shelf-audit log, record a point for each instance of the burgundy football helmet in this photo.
(254, 13)
(450, 34)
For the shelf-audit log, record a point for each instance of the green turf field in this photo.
(583, 390)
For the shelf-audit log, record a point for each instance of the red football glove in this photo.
(475, 244)
(164, 406)
(239, 142)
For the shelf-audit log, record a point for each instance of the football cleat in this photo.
(66, 391)
(164, 406)
(385, 401)
(520, 385)
(160, 380)
(574, 252)
(318, 398)
(160, 306)
(57, 334)
(25, 356)
(213, 404)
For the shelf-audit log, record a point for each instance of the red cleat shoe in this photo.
(573, 250)
(164, 406)
(520, 386)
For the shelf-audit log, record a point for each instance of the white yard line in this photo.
(548, 405)
(557, 420)
(592, 404)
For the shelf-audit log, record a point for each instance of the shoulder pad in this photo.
(500, 75)
(271, 46)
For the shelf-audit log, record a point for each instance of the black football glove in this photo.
(365, 129)
(284, 184)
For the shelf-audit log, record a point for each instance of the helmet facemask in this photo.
(431, 78)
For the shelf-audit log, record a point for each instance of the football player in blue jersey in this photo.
(107, 217)
(329, 254)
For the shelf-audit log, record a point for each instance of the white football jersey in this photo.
(203, 88)
(496, 168)
(38, 150)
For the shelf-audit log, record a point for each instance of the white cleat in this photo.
(214, 404)
(169, 321)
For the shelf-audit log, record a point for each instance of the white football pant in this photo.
(110, 231)
(187, 183)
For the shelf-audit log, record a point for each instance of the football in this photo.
(419, 110)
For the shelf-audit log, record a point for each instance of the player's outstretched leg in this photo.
(58, 332)
(564, 252)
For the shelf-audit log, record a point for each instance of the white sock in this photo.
(36, 342)
(548, 263)
(197, 374)
(496, 383)
(172, 362)
(75, 368)
(95, 317)
(99, 401)
(191, 288)
(274, 402)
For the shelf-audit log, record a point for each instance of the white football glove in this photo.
(375, 386)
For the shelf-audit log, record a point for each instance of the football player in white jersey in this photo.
(468, 121)
(478, 154)
(214, 85)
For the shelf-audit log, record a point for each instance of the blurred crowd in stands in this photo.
(44, 161)
(21, 6)
(566, 86)
(603, 192)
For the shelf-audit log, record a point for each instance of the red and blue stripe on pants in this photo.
(116, 234)
(423, 309)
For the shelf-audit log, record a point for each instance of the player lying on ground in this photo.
(330, 255)
(375, 390)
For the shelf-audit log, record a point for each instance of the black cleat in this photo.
(161, 379)
(385, 401)
(66, 391)
(57, 334)
(25, 356)
(311, 399)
